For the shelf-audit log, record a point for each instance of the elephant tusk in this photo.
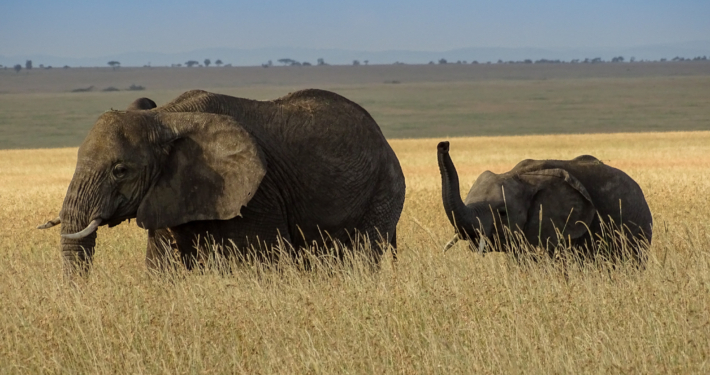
(482, 244)
(50, 223)
(87, 231)
(451, 243)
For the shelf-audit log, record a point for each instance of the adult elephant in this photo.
(243, 173)
(573, 202)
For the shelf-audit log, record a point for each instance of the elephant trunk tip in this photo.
(50, 223)
(443, 147)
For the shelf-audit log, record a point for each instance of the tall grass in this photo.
(427, 313)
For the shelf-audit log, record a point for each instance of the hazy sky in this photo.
(71, 28)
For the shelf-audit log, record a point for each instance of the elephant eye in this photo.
(119, 171)
(503, 213)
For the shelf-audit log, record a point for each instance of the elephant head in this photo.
(532, 200)
(164, 169)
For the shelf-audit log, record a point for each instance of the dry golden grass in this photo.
(429, 313)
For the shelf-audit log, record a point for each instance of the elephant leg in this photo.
(161, 250)
(170, 247)
(255, 236)
(380, 235)
(380, 225)
(393, 243)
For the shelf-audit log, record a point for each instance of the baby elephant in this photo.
(579, 202)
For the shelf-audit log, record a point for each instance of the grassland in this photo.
(37, 108)
(429, 312)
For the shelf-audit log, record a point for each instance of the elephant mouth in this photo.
(113, 222)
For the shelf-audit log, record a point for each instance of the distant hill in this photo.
(252, 57)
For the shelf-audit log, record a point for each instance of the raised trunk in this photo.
(459, 215)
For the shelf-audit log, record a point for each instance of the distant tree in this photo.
(321, 61)
(218, 62)
(17, 68)
(474, 62)
(527, 61)
(356, 62)
(306, 63)
(114, 64)
(83, 89)
(66, 66)
(617, 59)
(28, 64)
(208, 62)
(366, 61)
(442, 61)
(632, 59)
(286, 61)
(270, 63)
(191, 63)
(500, 61)
(546, 61)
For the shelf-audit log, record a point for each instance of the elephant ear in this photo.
(565, 204)
(211, 167)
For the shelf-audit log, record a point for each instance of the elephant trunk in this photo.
(77, 251)
(78, 255)
(460, 216)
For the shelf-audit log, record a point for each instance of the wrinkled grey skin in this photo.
(305, 167)
(573, 194)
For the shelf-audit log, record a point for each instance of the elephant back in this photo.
(614, 193)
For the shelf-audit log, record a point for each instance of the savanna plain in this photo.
(428, 312)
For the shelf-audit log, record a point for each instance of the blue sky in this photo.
(73, 28)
